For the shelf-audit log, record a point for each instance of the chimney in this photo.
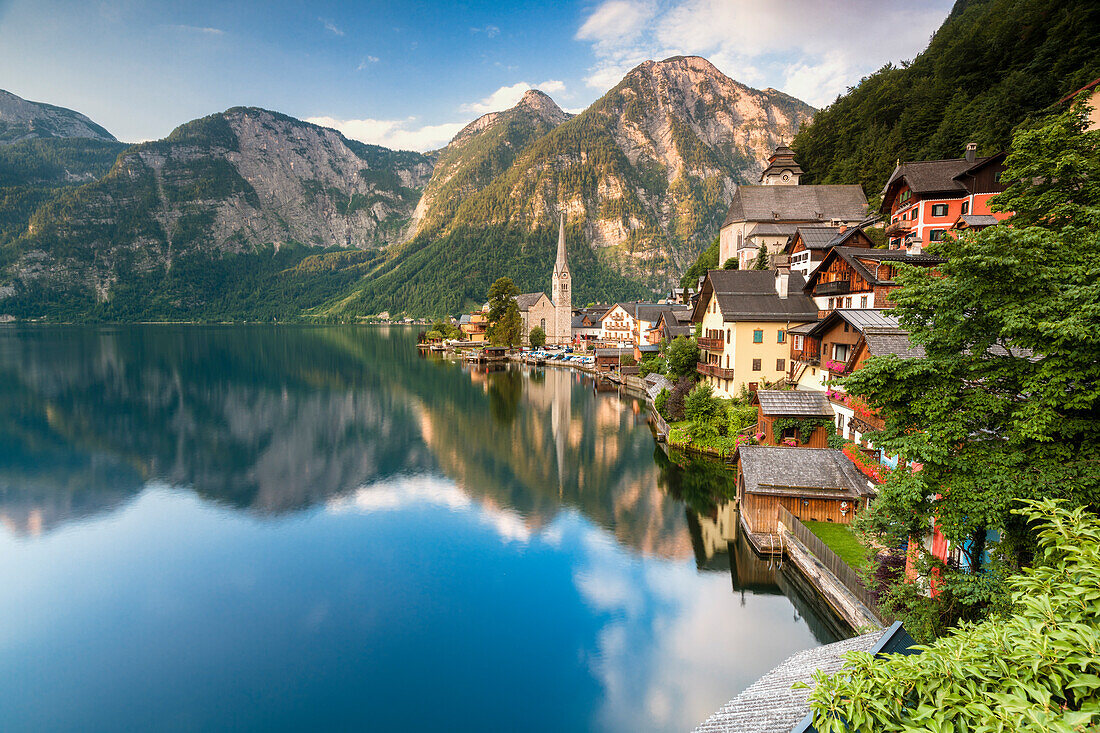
(913, 246)
(781, 279)
(971, 152)
(843, 228)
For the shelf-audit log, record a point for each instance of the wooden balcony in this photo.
(836, 287)
(713, 344)
(713, 370)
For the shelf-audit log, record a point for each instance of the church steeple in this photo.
(561, 292)
(561, 265)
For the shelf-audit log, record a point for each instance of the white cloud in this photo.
(490, 31)
(365, 63)
(799, 46)
(508, 96)
(397, 134)
(200, 29)
(330, 26)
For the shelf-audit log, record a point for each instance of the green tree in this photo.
(1005, 404)
(761, 262)
(537, 337)
(682, 355)
(1037, 668)
(502, 291)
(731, 264)
(508, 331)
(661, 403)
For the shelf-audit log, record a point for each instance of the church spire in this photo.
(561, 265)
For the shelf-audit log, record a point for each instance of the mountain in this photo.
(21, 119)
(990, 66)
(197, 224)
(644, 177)
(251, 214)
(480, 152)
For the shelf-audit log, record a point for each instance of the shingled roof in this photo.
(527, 300)
(797, 204)
(805, 472)
(750, 295)
(865, 261)
(793, 402)
(882, 341)
(769, 705)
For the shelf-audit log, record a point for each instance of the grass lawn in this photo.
(841, 540)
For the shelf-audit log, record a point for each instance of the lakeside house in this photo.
(646, 316)
(813, 484)
(768, 214)
(838, 345)
(611, 359)
(617, 324)
(745, 316)
(807, 247)
(474, 326)
(794, 411)
(924, 199)
(856, 277)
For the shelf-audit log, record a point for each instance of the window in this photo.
(830, 304)
(966, 208)
(846, 327)
(863, 301)
(780, 364)
(848, 302)
(756, 365)
(542, 324)
(905, 195)
(781, 337)
(840, 352)
(758, 336)
(936, 235)
(997, 176)
(895, 242)
(939, 209)
(727, 335)
(798, 343)
(913, 215)
(727, 361)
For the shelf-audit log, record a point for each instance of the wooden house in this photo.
(783, 416)
(813, 484)
(611, 359)
(808, 246)
(856, 277)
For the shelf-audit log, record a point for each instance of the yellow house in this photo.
(475, 325)
(745, 316)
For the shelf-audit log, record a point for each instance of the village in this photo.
(749, 365)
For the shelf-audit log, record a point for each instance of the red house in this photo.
(924, 199)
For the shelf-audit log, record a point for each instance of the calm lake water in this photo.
(260, 528)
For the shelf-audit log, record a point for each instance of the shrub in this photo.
(676, 399)
(701, 405)
(537, 337)
(682, 356)
(661, 403)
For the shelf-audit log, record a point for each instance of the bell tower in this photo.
(561, 291)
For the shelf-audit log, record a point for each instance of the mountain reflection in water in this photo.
(605, 579)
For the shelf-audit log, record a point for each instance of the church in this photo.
(554, 316)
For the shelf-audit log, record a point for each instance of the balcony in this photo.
(713, 344)
(713, 370)
(836, 287)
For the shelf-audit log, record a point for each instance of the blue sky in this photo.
(411, 74)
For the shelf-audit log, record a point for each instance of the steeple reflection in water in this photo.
(286, 528)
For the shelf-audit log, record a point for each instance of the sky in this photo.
(410, 75)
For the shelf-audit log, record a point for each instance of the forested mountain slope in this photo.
(991, 64)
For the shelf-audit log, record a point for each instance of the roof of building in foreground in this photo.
(782, 471)
(794, 402)
(770, 705)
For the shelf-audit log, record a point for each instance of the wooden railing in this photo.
(714, 370)
(714, 344)
(842, 570)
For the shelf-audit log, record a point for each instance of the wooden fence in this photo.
(842, 570)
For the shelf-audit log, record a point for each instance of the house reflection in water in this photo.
(720, 545)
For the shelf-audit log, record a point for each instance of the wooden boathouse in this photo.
(799, 417)
(813, 484)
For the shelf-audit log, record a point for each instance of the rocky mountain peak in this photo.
(541, 104)
(21, 119)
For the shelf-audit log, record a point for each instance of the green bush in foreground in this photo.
(1034, 669)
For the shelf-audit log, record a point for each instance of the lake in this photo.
(283, 528)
